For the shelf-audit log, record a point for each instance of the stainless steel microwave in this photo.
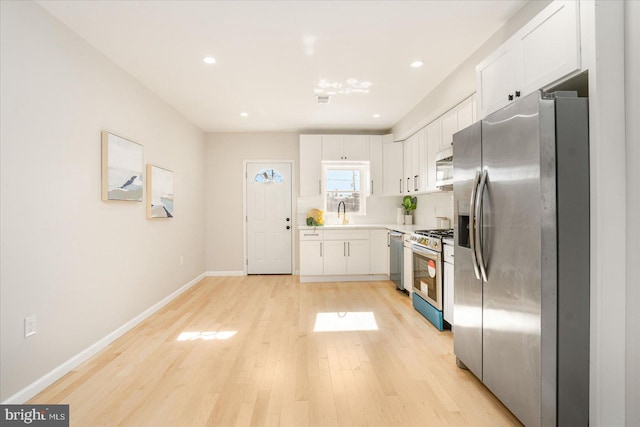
(444, 169)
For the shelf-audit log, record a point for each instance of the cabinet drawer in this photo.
(448, 253)
(311, 235)
(346, 234)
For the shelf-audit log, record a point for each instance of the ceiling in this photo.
(272, 55)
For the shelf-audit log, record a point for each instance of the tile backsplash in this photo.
(382, 210)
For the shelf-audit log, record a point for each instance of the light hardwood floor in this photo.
(275, 370)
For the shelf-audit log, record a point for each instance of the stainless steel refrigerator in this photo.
(521, 224)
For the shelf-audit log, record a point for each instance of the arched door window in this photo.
(268, 176)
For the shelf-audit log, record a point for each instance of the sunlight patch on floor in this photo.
(206, 336)
(345, 321)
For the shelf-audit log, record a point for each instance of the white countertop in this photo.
(401, 228)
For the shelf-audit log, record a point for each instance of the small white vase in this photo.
(408, 219)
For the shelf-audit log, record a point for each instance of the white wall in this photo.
(224, 155)
(632, 106)
(84, 267)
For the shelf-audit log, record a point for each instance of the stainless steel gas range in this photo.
(427, 297)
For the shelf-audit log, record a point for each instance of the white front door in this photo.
(269, 221)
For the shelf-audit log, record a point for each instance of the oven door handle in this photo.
(472, 225)
(478, 234)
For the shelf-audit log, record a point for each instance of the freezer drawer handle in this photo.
(479, 196)
(472, 225)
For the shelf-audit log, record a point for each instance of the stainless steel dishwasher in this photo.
(396, 259)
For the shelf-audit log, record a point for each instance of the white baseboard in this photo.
(224, 273)
(46, 380)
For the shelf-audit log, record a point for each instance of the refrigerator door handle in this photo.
(472, 225)
(478, 239)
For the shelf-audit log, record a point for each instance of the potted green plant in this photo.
(409, 204)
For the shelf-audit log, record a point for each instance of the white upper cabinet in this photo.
(434, 140)
(550, 46)
(376, 165)
(310, 165)
(420, 162)
(465, 113)
(392, 175)
(496, 79)
(449, 127)
(546, 49)
(407, 179)
(345, 147)
(459, 117)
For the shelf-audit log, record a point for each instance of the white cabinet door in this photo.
(546, 49)
(332, 147)
(392, 163)
(496, 79)
(379, 252)
(407, 180)
(310, 165)
(447, 311)
(335, 257)
(375, 165)
(421, 166)
(465, 113)
(449, 127)
(355, 147)
(434, 137)
(358, 257)
(311, 262)
(408, 269)
(345, 147)
(550, 48)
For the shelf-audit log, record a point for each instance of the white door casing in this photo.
(269, 218)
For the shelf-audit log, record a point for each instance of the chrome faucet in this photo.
(344, 210)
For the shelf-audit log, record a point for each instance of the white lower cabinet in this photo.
(311, 253)
(408, 264)
(345, 256)
(379, 252)
(343, 253)
(311, 259)
(447, 312)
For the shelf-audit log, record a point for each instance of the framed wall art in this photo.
(122, 168)
(159, 192)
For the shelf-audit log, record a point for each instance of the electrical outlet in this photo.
(181, 259)
(30, 326)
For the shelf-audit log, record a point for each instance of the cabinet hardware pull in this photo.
(517, 94)
(400, 185)
(348, 248)
(320, 249)
(510, 97)
(371, 186)
(344, 248)
(319, 187)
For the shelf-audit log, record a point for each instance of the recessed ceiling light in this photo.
(209, 60)
(376, 115)
(417, 64)
(244, 114)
